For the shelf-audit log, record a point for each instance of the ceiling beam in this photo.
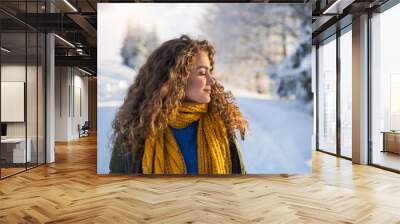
(84, 24)
(337, 6)
(83, 61)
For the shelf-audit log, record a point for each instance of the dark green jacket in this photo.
(126, 164)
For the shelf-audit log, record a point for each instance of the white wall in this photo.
(33, 126)
(16, 73)
(12, 73)
(62, 81)
(71, 87)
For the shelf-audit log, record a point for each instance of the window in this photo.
(346, 94)
(385, 89)
(327, 96)
(22, 77)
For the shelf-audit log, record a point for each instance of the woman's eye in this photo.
(202, 73)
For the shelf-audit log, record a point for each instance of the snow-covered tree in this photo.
(250, 38)
(293, 74)
(137, 45)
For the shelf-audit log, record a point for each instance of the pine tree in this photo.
(137, 45)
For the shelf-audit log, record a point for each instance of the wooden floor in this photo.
(10, 171)
(70, 191)
(387, 159)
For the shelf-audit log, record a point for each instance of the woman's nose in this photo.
(210, 79)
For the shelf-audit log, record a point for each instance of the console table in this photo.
(391, 141)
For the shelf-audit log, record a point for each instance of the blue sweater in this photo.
(187, 142)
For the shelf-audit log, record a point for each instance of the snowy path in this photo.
(279, 140)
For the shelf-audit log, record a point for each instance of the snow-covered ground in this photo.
(279, 140)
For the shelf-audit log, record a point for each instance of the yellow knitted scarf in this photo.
(163, 156)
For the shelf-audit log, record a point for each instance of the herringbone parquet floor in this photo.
(70, 191)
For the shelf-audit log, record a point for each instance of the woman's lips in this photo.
(207, 90)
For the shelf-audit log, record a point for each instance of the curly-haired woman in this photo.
(176, 118)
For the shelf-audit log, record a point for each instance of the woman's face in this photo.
(198, 87)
